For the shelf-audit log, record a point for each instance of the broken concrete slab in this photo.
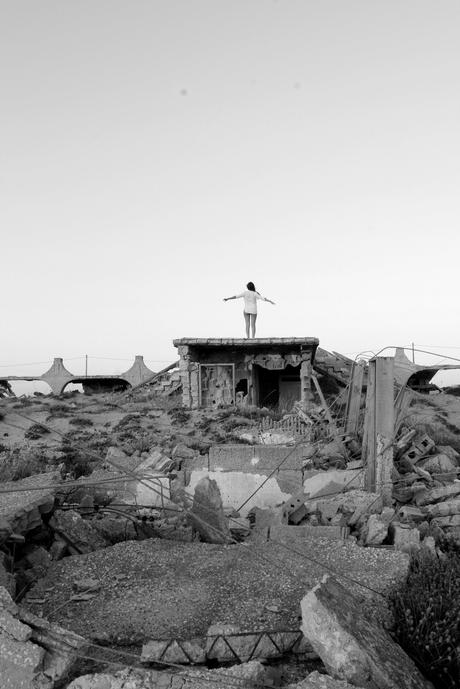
(183, 651)
(148, 487)
(227, 643)
(256, 458)
(114, 529)
(324, 483)
(181, 451)
(443, 509)
(245, 676)
(21, 510)
(143, 597)
(351, 645)
(62, 647)
(439, 464)
(156, 461)
(430, 497)
(359, 504)
(33, 652)
(449, 451)
(7, 579)
(236, 486)
(449, 524)
(207, 514)
(316, 680)
(78, 533)
(20, 660)
(354, 506)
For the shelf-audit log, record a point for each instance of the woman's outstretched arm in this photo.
(235, 296)
(265, 299)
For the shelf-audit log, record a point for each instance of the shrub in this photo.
(76, 462)
(179, 415)
(128, 422)
(36, 431)
(18, 463)
(80, 421)
(426, 610)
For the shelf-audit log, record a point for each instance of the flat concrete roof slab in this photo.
(246, 342)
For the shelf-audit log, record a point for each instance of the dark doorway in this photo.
(278, 389)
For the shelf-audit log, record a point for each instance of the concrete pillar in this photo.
(184, 375)
(379, 427)
(354, 398)
(194, 382)
(306, 396)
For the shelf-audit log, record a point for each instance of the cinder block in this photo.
(294, 509)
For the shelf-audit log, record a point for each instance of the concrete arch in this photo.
(95, 384)
(58, 377)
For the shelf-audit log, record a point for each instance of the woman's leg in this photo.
(246, 320)
(253, 324)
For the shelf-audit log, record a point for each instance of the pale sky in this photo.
(157, 155)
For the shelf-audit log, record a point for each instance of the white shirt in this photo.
(250, 300)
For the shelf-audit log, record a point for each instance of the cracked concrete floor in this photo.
(162, 589)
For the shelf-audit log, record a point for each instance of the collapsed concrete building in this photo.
(273, 371)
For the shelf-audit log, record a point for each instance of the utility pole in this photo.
(86, 365)
(413, 353)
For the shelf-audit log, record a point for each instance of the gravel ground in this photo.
(161, 589)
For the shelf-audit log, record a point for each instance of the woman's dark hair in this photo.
(251, 286)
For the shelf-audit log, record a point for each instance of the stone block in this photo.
(404, 538)
(376, 529)
(352, 646)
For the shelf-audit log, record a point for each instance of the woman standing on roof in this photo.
(250, 296)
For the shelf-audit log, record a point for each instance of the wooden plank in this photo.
(334, 431)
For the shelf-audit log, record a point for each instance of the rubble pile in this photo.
(237, 478)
